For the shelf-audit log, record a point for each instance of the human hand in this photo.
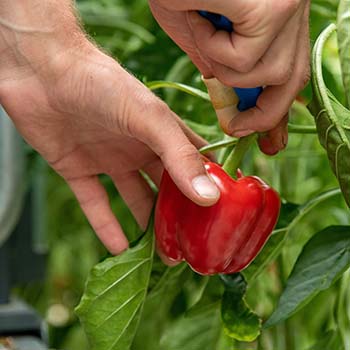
(87, 116)
(269, 47)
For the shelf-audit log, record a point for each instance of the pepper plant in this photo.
(295, 293)
(134, 302)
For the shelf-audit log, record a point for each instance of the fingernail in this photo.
(204, 187)
(242, 133)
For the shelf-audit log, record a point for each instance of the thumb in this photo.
(185, 166)
(162, 133)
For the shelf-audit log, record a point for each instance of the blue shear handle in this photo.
(247, 96)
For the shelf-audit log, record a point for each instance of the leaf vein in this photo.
(119, 280)
(125, 328)
(120, 307)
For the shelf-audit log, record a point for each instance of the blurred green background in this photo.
(126, 30)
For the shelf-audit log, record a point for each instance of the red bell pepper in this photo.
(223, 238)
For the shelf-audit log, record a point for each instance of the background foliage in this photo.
(126, 30)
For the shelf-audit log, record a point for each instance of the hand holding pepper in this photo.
(87, 116)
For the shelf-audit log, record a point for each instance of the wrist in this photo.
(34, 36)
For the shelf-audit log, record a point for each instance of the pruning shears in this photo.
(247, 96)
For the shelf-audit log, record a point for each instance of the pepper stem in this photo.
(234, 159)
(301, 129)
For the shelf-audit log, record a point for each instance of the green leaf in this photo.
(290, 215)
(160, 299)
(342, 312)
(159, 84)
(289, 211)
(110, 308)
(332, 119)
(331, 340)
(322, 261)
(210, 298)
(200, 331)
(270, 251)
(343, 25)
(240, 322)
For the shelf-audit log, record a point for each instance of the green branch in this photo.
(234, 159)
(218, 145)
(302, 129)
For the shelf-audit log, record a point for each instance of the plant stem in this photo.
(234, 159)
(218, 145)
(301, 129)
(342, 309)
(159, 84)
(289, 337)
(292, 129)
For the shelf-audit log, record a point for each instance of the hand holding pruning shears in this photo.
(269, 47)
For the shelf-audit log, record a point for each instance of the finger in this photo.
(276, 139)
(137, 195)
(159, 129)
(232, 9)
(176, 25)
(154, 170)
(241, 49)
(195, 139)
(275, 101)
(94, 202)
(275, 66)
(238, 11)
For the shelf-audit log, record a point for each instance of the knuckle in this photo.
(144, 105)
(269, 124)
(244, 64)
(150, 104)
(281, 74)
(188, 152)
(266, 122)
(158, 108)
(224, 76)
(185, 154)
(287, 6)
(292, 5)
